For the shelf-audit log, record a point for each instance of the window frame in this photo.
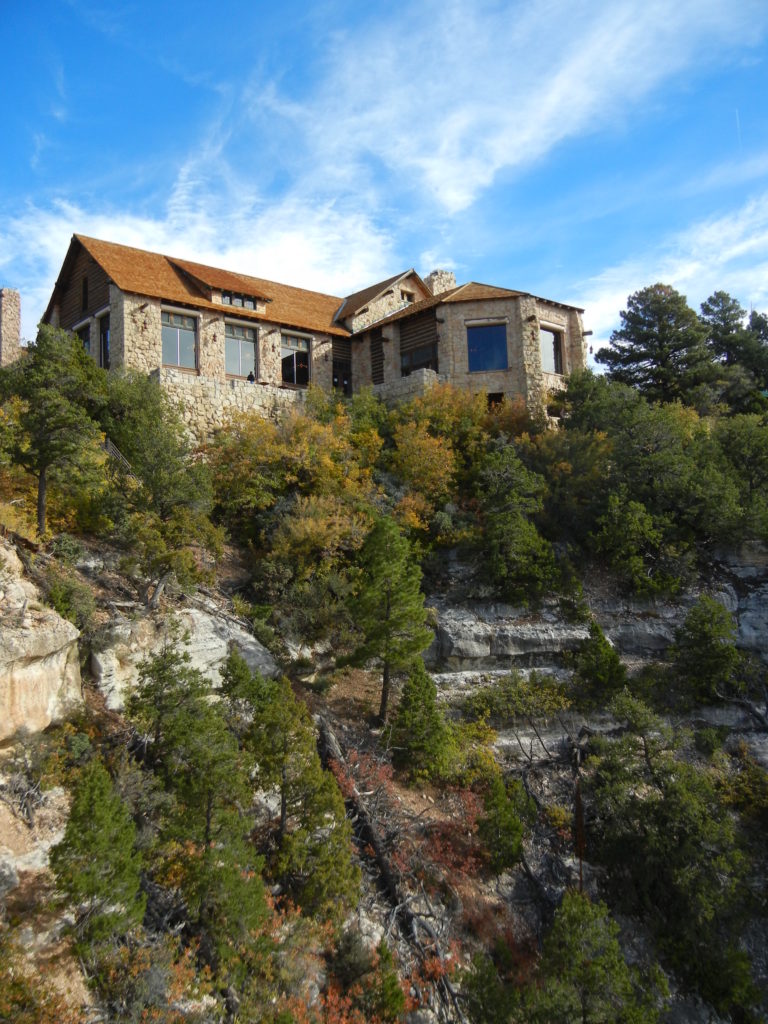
(557, 334)
(195, 318)
(255, 342)
(485, 325)
(297, 336)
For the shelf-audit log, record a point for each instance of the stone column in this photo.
(10, 325)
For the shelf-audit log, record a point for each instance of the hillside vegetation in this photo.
(226, 845)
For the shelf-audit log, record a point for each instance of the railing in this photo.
(114, 453)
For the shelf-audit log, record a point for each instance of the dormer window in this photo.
(238, 299)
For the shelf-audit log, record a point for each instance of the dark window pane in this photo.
(289, 370)
(302, 368)
(104, 342)
(84, 334)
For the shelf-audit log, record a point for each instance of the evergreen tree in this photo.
(502, 826)
(204, 834)
(584, 976)
(724, 318)
(420, 738)
(96, 863)
(313, 851)
(598, 669)
(54, 431)
(704, 652)
(660, 825)
(660, 348)
(519, 561)
(389, 606)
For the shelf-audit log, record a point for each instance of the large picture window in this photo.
(239, 350)
(487, 347)
(294, 351)
(179, 340)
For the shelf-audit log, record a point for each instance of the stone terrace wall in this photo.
(206, 405)
(404, 388)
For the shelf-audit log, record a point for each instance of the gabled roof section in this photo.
(359, 300)
(176, 280)
(473, 291)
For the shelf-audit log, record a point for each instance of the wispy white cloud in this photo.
(456, 93)
(412, 111)
(727, 252)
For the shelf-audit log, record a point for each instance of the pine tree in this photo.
(389, 607)
(61, 391)
(420, 738)
(584, 974)
(660, 348)
(313, 836)
(96, 863)
(501, 828)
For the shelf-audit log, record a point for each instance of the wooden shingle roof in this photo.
(182, 281)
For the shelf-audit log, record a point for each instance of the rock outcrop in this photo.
(206, 634)
(39, 663)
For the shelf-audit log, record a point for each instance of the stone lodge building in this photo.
(223, 343)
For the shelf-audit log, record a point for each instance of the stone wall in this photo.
(206, 404)
(10, 325)
(390, 302)
(404, 388)
(136, 338)
(453, 359)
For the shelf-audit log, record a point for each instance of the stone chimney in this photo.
(10, 325)
(440, 281)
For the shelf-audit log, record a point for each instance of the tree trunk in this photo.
(384, 695)
(283, 801)
(42, 494)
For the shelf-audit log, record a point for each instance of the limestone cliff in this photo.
(39, 663)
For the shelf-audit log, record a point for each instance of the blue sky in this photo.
(576, 150)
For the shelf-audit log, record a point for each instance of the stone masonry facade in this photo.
(401, 336)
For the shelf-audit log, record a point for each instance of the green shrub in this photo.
(513, 697)
(72, 599)
(67, 548)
